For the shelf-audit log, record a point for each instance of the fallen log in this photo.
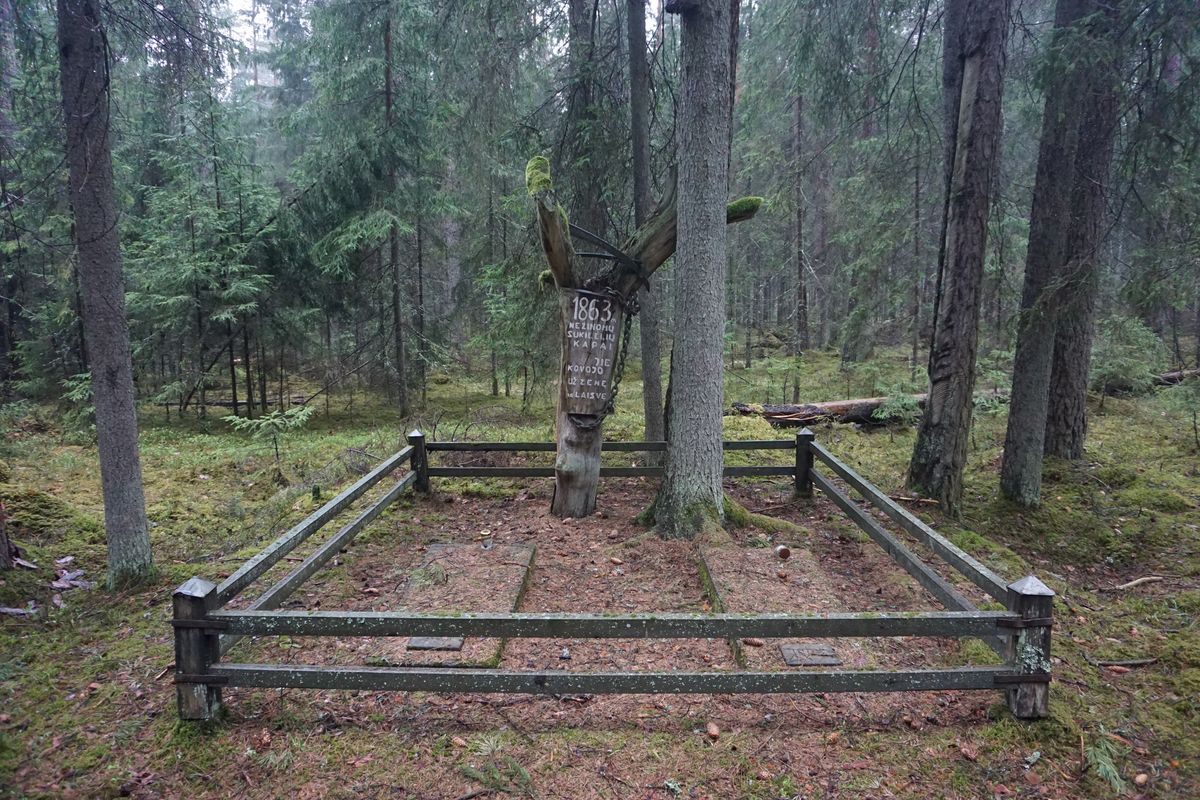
(860, 411)
(1176, 377)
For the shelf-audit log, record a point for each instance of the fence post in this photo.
(804, 462)
(196, 648)
(420, 461)
(1029, 649)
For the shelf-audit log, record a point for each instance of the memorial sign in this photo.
(592, 337)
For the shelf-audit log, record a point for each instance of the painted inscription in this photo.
(593, 327)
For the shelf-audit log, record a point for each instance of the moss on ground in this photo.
(1127, 510)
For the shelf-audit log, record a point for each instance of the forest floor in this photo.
(87, 706)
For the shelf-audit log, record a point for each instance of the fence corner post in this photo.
(804, 462)
(196, 650)
(1029, 649)
(420, 461)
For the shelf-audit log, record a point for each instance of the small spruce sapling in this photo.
(273, 426)
(1184, 399)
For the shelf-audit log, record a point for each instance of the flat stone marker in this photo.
(802, 654)
(435, 643)
(459, 577)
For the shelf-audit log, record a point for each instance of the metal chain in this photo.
(631, 310)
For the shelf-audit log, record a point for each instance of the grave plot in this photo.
(609, 565)
(460, 578)
(619, 615)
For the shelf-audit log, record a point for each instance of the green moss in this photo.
(976, 653)
(545, 280)
(537, 175)
(1152, 499)
(1116, 476)
(743, 207)
(44, 517)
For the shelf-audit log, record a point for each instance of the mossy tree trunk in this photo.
(85, 95)
(1021, 470)
(976, 54)
(1066, 421)
(648, 297)
(577, 463)
(691, 495)
(1047, 416)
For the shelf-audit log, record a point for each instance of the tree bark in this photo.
(582, 121)
(639, 114)
(691, 496)
(394, 232)
(8, 197)
(1066, 420)
(577, 464)
(85, 91)
(940, 453)
(1021, 469)
(801, 309)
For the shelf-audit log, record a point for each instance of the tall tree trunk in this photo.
(940, 453)
(249, 371)
(84, 76)
(232, 367)
(691, 496)
(1066, 420)
(801, 309)
(394, 231)
(1021, 470)
(639, 108)
(8, 197)
(582, 120)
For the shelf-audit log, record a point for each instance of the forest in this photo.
(250, 248)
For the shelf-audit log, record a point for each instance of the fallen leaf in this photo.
(968, 752)
(712, 731)
(1141, 779)
(458, 741)
(616, 560)
(1117, 669)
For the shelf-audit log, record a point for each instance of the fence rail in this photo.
(205, 629)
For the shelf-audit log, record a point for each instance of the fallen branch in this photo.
(1131, 662)
(903, 499)
(1137, 582)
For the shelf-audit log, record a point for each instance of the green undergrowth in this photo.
(1130, 508)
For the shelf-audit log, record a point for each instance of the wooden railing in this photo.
(205, 630)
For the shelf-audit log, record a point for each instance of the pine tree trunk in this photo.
(8, 176)
(940, 453)
(1066, 420)
(582, 120)
(691, 495)
(249, 371)
(801, 310)
(6, 561)
(394, 233)
(639, 112)
(1021, 470)
(85, 89)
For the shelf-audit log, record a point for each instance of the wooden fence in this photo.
(205, 630)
